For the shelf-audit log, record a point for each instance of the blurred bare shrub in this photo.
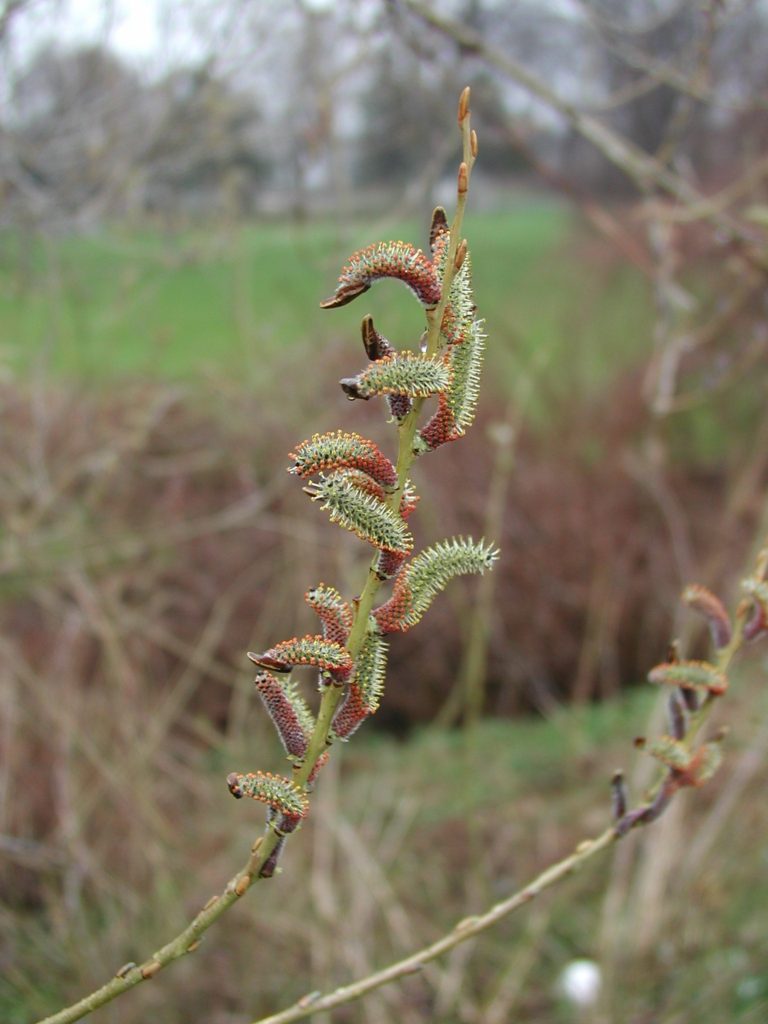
(146, 545)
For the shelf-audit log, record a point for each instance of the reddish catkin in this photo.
(390, 562)
(320, 763)
(334, 612)
(289, 721)
(707, 604)
(339, 449)
(399, 260)
(441, 428)
(390, 617)
(350, 714)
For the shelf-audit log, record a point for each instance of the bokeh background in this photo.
(179, 185)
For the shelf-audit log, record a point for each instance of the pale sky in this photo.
(138, 29)
(130, 26)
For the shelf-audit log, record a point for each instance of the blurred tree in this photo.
(79, 124)
(403, 118)
(87, 139)
(207, 157)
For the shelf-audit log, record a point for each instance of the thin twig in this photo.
(643, 169)
(466, 929)
(471, 926)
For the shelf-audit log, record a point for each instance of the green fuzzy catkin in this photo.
(431, 570)
(466, 362)
(690, 675)
(419, 582)
(405, 373)
(705, 763)
(670, 752)
(341, 449)
(460, 310)
(690, 768)
(361, 513)
(279, 793)
(371, 668)
(301, 709)
(312, 650)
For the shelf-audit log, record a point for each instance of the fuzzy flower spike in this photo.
(367, 492)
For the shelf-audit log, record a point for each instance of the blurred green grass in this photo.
(235, 301)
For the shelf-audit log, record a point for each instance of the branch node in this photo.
(465, 923)
(463, 104)
(242, 885)
(309, 999)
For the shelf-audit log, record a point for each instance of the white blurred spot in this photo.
(580, 982)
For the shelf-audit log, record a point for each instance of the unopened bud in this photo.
(463, 184)
(438, 226)
(660, 803)
(233, 782)
(242, 885)
(267, 660)
(473, 143)
(676, 717)
(376, 345)
(690, 699)
(351, 388)
(464, 103)
(461, 253)
(619, 796)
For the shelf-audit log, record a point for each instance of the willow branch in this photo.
(188, 940)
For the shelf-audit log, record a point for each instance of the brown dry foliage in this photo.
(150, 542)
